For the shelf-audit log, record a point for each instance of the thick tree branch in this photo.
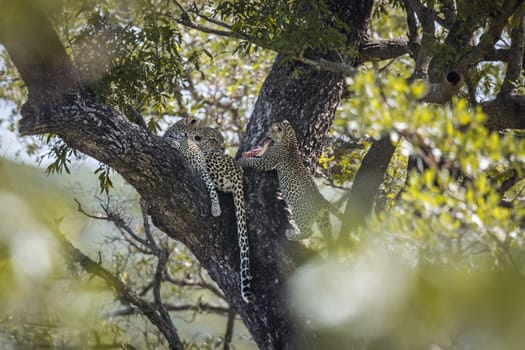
(366, 186)
(384, 49)
(424, 54)
(51, 70)
(516, 53)
(507, 110)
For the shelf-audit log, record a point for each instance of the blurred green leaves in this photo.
(443, 264)
(38, 304)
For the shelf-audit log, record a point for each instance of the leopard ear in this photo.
(195, 122)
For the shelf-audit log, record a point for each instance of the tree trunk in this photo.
(176, 199)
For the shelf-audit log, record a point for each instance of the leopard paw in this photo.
(215, 210)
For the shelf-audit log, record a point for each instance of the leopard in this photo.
(279, 150)
(203, 147)
(205, 137)
(193, 154)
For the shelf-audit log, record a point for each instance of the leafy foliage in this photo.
(463, 195)
(451, 232)
(287, 26)
(61, 155)
(131, 57)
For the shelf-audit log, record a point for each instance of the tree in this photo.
(318, 45)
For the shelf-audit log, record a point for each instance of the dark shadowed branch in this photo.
(507, 110)
(364, 190)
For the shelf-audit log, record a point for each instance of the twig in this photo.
(192, 283)
(211, 20)
(229, 329)
(200, 306)
(122, 292)
(116, 220)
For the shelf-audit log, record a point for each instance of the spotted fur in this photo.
(193, 154)
(225, 174)
(304, 202)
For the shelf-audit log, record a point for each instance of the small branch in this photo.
(199, 307)
(515, 61)
(157, 278)
(117, 221)
(192, 283)
(199, 14)
(82, 211)
(147, 227)
(163, 311)
(122, 292)
(202, 307)
(146, 289)
(229, 329)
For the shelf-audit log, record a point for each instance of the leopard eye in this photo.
(198, 138)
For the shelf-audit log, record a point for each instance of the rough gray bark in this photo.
(175, 198)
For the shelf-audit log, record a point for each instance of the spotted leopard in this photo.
(194, 155)
(279, 151)
(225, 174)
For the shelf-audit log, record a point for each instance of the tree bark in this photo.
(175, 197)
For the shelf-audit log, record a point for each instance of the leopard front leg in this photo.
(195, 157)
(298, 228)
(214, 198)
(256, 163)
